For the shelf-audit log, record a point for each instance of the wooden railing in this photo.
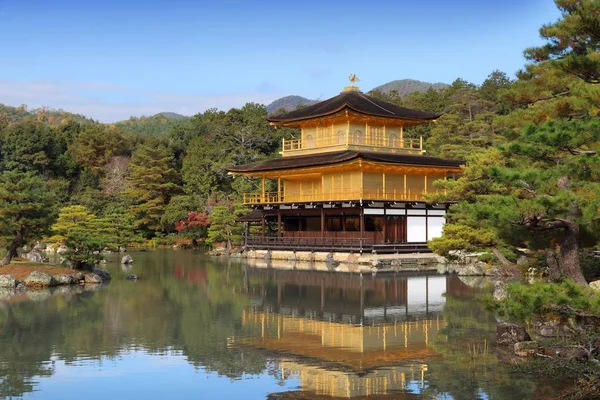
(376, 142)
(336, 195)
(329, 243)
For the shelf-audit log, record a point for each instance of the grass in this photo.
(20, 270)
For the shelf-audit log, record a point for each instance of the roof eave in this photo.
(276, 121)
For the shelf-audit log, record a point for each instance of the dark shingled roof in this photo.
(358, 102)
(254, 215)
(313, 160)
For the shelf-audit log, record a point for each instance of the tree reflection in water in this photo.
(336, 335)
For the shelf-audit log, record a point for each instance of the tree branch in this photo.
(538, 224)
(578, 152)
(566, 92)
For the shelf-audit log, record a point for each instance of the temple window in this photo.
(393, 140)
(357, 137)
(377, 136)
(341, 137)
(309, 141)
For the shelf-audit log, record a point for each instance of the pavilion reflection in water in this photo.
(346, 336)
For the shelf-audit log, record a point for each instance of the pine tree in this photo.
(153, 181)
(223, 225)
(573, 42)
(26, 209)
(540, 192)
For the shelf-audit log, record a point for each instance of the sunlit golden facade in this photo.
(351, 173)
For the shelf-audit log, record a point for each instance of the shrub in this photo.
(528, 300)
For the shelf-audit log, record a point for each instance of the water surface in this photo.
(199, 327)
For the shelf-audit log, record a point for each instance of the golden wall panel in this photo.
(415, 182)
(394, 182)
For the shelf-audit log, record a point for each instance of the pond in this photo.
(195, 326)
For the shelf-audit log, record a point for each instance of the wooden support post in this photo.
(384, 224)
(401, 136)
(322, 222)
(263, 225)
(262, 198)
(279, 190)
(348, 134)
(362, 227)
(279, 223)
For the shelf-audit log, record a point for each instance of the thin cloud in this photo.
(88, 98)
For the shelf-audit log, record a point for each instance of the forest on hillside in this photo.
(531, 176)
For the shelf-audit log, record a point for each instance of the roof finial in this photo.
(353, 79)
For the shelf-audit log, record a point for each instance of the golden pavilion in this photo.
(350, 182)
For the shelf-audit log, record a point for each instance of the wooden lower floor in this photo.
(351, 227)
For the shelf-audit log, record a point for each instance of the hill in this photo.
(12, 114)
(156, 125)
(405, 87)
(289, 103)
(171, 115)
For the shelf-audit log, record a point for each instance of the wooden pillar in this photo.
(262, 198)
(279, 223)
(401, 136)
(348, 132)
(279, 190)
(362, 227)
(384, 227)
(263, 225)
(322, 222)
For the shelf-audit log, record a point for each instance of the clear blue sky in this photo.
(112, 59)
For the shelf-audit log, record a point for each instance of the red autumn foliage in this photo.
(194, 219)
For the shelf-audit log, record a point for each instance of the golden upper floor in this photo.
(352, 121)
(346, 176)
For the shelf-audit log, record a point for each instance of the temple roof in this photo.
(355, 101)
(335, 157)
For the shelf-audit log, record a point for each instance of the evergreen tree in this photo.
(573, 42)
(153, 181)
(223, 225)
(26, 209)
(539, 192)
(96, 145)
